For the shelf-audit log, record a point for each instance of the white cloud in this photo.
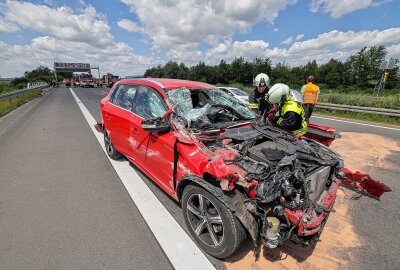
(348, 40)
(130, 26)
(118, 59)
(276, 29)
(186, 53)
(8, 27)
(171, 23)
(62, 22)
(299, 36)
(229, 49)
(338, 8)
(393, 51)
(75, 36)
(334, 44)
(287, 41)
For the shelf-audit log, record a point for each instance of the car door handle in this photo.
(107, 116)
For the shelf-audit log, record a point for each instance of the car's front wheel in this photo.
(213, 226)
(111, 152)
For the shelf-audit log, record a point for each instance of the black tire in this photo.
(111, 152)
(228, 232)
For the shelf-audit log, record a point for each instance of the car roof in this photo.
(170, 83)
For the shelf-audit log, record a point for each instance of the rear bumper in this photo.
(87, 83)
(311, 222)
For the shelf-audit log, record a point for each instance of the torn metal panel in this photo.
(364, 184)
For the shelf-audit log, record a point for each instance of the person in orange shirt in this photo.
(310, 92)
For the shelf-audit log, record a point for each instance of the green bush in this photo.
(386, 102)
(6, 86)
(236, 85)
(359, 116)
(12, 103)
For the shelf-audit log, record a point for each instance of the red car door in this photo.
(117, 117)
(107, 111)
(153, 150)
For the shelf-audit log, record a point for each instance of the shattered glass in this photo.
(220, 97)
(182, 97)
(195, 113)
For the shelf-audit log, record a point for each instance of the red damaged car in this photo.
(233, 175)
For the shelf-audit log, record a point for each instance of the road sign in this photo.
(388, 64)
(71, 67)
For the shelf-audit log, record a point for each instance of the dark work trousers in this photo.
(308, 109)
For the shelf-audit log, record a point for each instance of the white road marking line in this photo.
(182, 252)
(350, 122)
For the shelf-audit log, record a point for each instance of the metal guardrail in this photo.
(341, 107)
(31, 87)
(36, 84)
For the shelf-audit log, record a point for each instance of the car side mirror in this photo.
(155, 125)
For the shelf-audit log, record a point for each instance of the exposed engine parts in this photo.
(291, 175)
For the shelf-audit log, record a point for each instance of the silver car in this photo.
(236, 93)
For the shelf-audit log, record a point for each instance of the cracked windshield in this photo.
(208, 108)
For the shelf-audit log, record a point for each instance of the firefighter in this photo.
(257, 101)
(290, 112)
(310, 93)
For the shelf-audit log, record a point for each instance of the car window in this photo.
(124, 96)
(148, 103)
(114, 94)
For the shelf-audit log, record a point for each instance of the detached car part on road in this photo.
(233, 176)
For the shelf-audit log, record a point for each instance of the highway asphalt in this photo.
(376, 223)
(62, 205)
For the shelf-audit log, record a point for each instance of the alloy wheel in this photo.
(205, 220)
(108, 145)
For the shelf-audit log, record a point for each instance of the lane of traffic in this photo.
(62, 205)
(344, 125)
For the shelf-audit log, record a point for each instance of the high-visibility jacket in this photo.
(300, 127)
(310, 92)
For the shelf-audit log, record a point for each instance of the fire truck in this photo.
(85, 80)
(110, 79)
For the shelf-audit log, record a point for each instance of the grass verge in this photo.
(359, 116)
(387, 102)
(12, 103)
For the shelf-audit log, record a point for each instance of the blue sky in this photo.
(126, 37)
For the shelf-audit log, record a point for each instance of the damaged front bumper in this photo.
(363, 184)
(311, 222)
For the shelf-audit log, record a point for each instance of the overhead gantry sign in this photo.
(73, 67)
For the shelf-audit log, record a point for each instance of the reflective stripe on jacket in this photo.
(253, 106)
(296, 107)
(310, 93)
